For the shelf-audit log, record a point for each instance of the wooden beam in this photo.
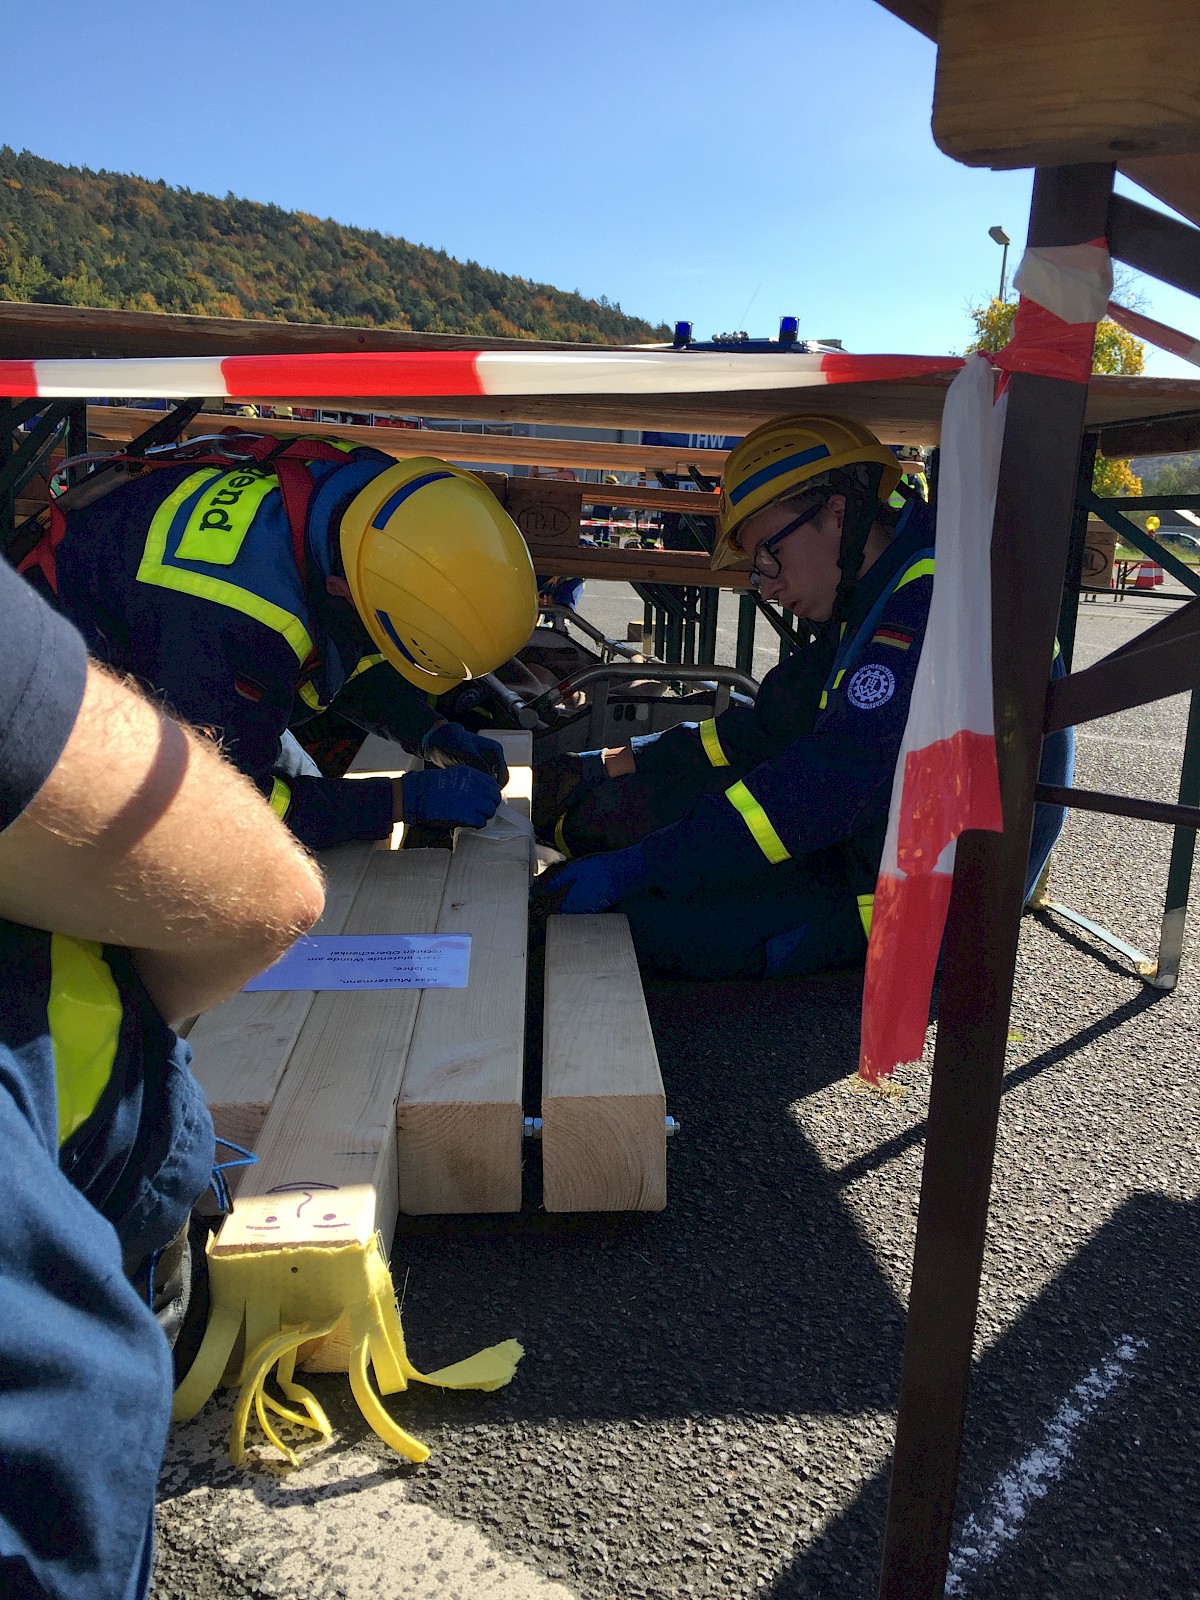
(326, 1168)
(1034, 505)
(517, 745)
(459, 1116)
(1154, 437)
(1050, 82)
(126, 422)
(1175, 180)
(39, 332)
(381, 758)
(923, 15)
(603, 1107)
(637, 566)
(1151, 242)
(242, 1047)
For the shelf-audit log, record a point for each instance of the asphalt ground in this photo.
(707, 1403)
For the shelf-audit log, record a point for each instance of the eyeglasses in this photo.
(766, 563)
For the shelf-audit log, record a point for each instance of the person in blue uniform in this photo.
(254, 585)
(749, 845)
(141, 879)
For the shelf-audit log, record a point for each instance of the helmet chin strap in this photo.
(857, 522)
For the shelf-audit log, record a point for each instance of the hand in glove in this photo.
(594, 884)
(459, 796)
(450, 745)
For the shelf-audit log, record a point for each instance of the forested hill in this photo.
(69, 236)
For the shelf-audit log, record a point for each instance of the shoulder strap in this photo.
(289, 459)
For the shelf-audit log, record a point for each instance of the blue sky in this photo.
(726, 161)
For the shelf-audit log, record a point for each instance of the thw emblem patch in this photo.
(871, 687)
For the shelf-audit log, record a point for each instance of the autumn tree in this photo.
(1116, 351)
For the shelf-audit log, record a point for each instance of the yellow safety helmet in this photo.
(439, 573)
(777, 460)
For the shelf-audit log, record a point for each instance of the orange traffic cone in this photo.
(1149, 575)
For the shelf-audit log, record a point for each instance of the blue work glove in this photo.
(460, 796)
(450, 745)
(594, 884)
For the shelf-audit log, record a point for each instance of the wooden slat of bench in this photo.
(332, 1123)
(603, 1107)
(241, 1047)
(459, 1116)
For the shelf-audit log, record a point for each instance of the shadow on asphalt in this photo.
(1121, 1518)
(891, 1148)
(751, 1294)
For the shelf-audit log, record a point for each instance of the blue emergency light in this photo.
(789, 330)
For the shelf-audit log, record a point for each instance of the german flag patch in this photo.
(898, 638)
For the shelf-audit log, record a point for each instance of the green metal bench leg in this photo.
(1162, 973)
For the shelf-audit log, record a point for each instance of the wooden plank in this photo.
(1055, 82)
(604, 1142)
(638, 566)
(329, 1135)
(459, 1116)
(126, 422)
(242, 1047)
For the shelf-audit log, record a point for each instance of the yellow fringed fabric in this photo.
(283, 1298)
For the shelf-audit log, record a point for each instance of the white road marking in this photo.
(1013, 1493)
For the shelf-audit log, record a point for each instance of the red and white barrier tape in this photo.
(422, 374)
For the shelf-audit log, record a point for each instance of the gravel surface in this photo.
(707, 1405)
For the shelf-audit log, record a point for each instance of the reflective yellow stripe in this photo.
(221, 518)
(866, 909)
(919, 569)
(559, 842)
(281, 798)
(757, 820)
(220, 592)
(84, 1013)
(366, 664)
(310, 696)
(711, 741)
(837, 678)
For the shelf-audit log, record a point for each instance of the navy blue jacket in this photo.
(811, 764)
(187, 579)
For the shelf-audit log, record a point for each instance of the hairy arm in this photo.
(143, 836)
